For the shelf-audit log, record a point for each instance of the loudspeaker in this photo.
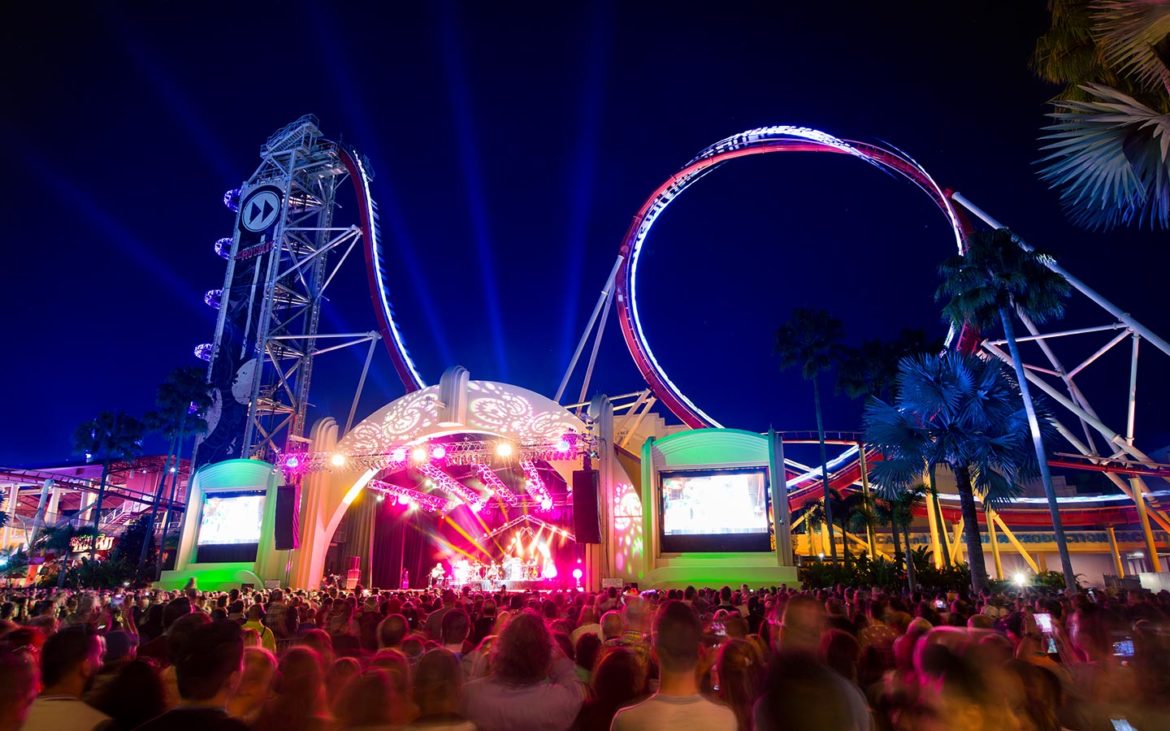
(586, 520)
(287, 533)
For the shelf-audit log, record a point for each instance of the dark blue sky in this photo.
(512, 143)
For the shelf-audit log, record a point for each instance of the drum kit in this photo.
(486, 576)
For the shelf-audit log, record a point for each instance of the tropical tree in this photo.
(898, 512)
(1107, 150)
(811, 341)
(995, 278)
(872, 369)
(107, 439)
(962, 412)
(182, 402)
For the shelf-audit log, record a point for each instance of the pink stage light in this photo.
(564, 446)
(292, 463)
(398, 455)
(438, 451)
(577, 574)
(550, 571)
(418, 454)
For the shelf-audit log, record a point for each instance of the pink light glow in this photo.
(577, 574)
(398, 455)
(438, 451)
(292, 463)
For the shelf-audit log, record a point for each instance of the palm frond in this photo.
(1108, 159)
(1128, 34)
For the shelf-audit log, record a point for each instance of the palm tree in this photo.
(182, 401)
(811, 340)
(995, 278)
(1106, 149)
(108, 438)
(872, 369)
(962, 412)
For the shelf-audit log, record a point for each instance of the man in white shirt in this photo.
(677, 706)
(70, 660)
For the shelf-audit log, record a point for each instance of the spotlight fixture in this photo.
(564, 446)
(1020, 579)
(504, 450)
(398, 455)
(292, 463)
(438, 451)
(337, 460)
(418, 454)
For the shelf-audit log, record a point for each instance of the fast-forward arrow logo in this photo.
(260, 210)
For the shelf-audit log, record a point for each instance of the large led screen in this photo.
(723, 510)
(229, 527)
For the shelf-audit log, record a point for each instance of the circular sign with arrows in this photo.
(260, 209)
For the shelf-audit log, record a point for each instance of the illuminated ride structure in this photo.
(460, 459)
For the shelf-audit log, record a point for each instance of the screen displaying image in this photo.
(231, 520)
(715, 511)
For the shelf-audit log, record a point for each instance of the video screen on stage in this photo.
(229, 528)
(724, 510)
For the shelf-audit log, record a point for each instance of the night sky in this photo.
(512, 143)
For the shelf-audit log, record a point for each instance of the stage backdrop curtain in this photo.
(401, 539)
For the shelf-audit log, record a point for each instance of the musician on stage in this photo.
(438, 575)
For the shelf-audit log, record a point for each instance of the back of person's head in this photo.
(392, 630)
(319, 641)
(134, 695)
(455, 627)
(68, 651)
(438, 682)
(725, 594)
(256, 613)
(18, 686)
(677, 636)
(175, 609)
(741, 676)
(212, 661)
(1042, 695)
(611, 625)
(299, 673)
(841, 652)
(523, 651)
(587, 649)
(800, 694)
(180, 634)
(339, 675)
(397, 665)
(801, 625)
(366, 700)
(618, 678)
(255, 682)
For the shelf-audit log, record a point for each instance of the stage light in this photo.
(380, 497)
(398, 455)
(504, 450)
(577, 574)
(476, 507)
(438, 451)
(564, 446)
(546, 504)
(337, 460)
(550, 571)
(418, 455)
(172, 470)
(292, 463)
(403, 500)
(1020, 579)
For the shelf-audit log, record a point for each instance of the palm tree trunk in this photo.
(167, 512)
(1070, 580)
(897, 542)
(911, 572)
(971, 528)
(97, 509)
(824, 466)
(162, 482)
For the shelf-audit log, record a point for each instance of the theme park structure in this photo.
(484, 470)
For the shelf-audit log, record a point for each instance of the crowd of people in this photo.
(846, 659)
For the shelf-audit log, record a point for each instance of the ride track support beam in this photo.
(991, 534)
(1114, 552)
(1016, 544)
(956, 545)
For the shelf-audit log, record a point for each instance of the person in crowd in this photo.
(392, 631)
(587, 623)
(438, 693)
(801, 694)
(612, 628)
(618, 681)
(740, 675)
(208, 672)
(133, 696)
(585, 655)
(434, 625)
(365, 702)
(255, 684)
(677, 644)
(455, 628)
(70, 661)
(18, 686)
(341, 673)
(299, 701)
(529, 686)
(256, 617)
(398, 670)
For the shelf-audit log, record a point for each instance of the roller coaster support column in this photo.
(603, 301)
(869, 534)
(1143, 516)
(1016, 544)
(932, 523)
(1118, 566)
(994, 543)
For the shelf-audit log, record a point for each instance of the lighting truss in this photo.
(424, 500)
(526, 519)
(492, 481)
(450, 485)
(470, 452)
(535, 485)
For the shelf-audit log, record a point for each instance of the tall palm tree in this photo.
(811, 339)
(962, 412)
(108, 438)
(872, 369)
(182, 402)
(985, 287)
(1106, 150)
